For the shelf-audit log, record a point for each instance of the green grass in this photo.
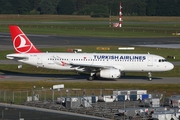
(97, 32)
(28, 18)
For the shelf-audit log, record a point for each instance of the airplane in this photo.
(104, 65)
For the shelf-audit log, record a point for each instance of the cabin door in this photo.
(39, 61)
(150, 60)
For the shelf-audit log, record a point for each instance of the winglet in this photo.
(21, 42)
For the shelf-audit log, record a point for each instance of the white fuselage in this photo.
(76, 61)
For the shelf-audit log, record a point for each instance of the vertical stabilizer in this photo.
(21, 42)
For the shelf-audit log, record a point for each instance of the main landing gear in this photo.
(150, 76)
(92, 76)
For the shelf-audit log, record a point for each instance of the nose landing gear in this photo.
(92, 76)
(150, 76)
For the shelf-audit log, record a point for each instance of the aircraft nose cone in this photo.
(171, 66)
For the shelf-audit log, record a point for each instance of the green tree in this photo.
(168, 8)
(142, 5)
(34, 4)
(55, 5)
(173, 8)
(95, 10)
(3, 3)
(85, 7)
(15, 7)
(66, 7)
(128, 7)
(21, 7)
(151, 7)
(80, 4)
(47, 7)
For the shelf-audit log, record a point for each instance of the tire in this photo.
(91, 78)
(150, 78)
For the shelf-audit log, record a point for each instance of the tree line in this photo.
(96, 8)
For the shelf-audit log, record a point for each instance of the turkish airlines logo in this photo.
(63, 63)
(21, 44)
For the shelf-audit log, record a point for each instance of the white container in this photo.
(152, 102)
(60, 100)
(29, 98)
(107, 98)
(130, 112)
(175, 102)
(164, 115)
(127, 92)
(73, 102)
(36, 97)
(122, 92)
(138, 92)
(86, 101)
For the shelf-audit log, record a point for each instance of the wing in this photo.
(90, 66)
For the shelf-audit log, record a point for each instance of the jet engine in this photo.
(110, 73)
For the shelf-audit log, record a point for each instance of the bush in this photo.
(34, 12)
(98, 15)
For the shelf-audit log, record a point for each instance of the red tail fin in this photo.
(20, 41)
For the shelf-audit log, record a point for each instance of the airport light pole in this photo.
(45, 94)
(4, 95)
(164, 96)
(84, 92)
(52, 94)
(67, 92)
(34, 87)
(20, 96)
(13, 97)
(0, 96)
(60, 92)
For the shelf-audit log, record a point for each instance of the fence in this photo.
(17, 97)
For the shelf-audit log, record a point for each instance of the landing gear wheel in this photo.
(91, 78)
(150, 76)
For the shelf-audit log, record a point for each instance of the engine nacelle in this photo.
(110, 73)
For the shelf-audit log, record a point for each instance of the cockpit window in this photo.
(162, 60)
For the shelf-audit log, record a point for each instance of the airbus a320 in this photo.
(104, 65)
